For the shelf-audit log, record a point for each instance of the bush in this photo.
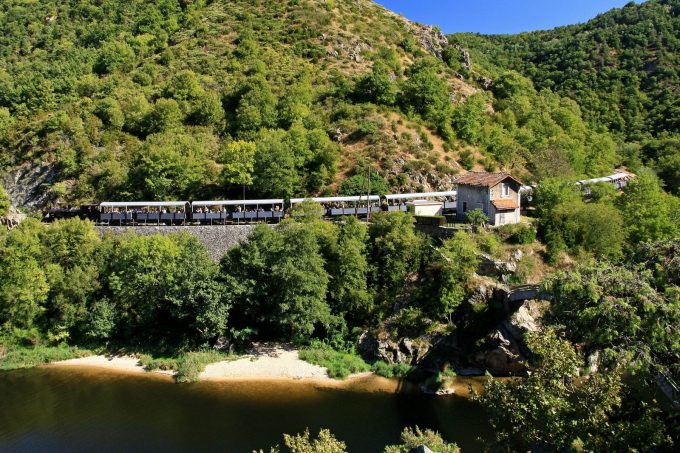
(518, 234)
(394, 370)
(339, 364)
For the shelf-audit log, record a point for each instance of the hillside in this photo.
(100, 100)
(621, 68)
(196, 99)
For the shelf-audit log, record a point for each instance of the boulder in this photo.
(421, 449)
(374, 348)
(502, 358)
(525, 319)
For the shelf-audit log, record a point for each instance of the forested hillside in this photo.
(621, 68)
(196, 99)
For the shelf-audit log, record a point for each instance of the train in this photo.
(221, 212)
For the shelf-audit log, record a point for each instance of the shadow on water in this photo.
(84, 410)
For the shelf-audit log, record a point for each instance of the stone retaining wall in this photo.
(217, 238)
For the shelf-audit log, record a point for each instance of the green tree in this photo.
(358, 185)
(324, 443)
(164, 116)
(23, 283)
(412, 438)
(647, 209)
(348, 271)
(184, 86)
(5, 202)
(477, 218)
(275, 166)
(547, 409)
(109, 111)
(449, 274)
(170, 166)
(238, 160)
(395, 251)
(377, 86)
(468, 118)
(115, 56)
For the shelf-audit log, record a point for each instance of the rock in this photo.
(517, 255)
(524, 320)
(372, 349)
(28, 186)
(593, 361)
(485, 82)
(503, 358)
(490, 267)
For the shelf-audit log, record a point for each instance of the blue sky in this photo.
(500, 16)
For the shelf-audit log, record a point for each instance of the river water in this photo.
(73, 410)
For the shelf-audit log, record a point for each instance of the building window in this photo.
(465, 206)
(505, 190)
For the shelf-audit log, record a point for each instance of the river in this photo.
(54, 409)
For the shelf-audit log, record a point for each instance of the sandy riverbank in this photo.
(262, 363)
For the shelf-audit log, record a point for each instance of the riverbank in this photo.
(262, 362)
(267, 365)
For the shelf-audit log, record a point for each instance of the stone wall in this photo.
(217, 238)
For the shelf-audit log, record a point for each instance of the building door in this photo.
(465, 206)
(501, 218)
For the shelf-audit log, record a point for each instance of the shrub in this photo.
(518, 234)
(392, 370)
(339, 364)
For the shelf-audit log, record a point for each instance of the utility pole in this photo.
(368, 196)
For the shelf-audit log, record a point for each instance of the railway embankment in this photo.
(218, 239)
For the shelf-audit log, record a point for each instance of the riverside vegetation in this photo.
(203, 99)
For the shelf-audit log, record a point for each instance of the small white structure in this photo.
(425, 207)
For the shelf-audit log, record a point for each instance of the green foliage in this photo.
(395, 250)
(449, 274)
(651, 214)
(612, 308)
(14, 356)
(469, 117)
(324, 443)
(339, 364)
(358, 185)
(238, 162)
(394, 370)
(191, 364)
(377, 86)
(4, 202)
(519, 234)
(412, 438)
(553, 408)
(477, 218)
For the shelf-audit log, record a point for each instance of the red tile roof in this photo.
(505, 204)
(483, 179)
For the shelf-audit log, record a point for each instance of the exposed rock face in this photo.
(502, 358)
(525, 319)
(12, 219)
(491, 267)
(29, 186)
(372, 348)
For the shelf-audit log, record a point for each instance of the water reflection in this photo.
(82, 410)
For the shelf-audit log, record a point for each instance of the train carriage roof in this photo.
(407, 196)
(141, 204)
(238, 202)
(336, 199)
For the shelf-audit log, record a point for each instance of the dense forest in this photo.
(188, 100)
(181, 99)
(621, 68)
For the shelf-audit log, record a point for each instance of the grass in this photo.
(394, 370)
(187, 366)
(339, 364)
(14, 356)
